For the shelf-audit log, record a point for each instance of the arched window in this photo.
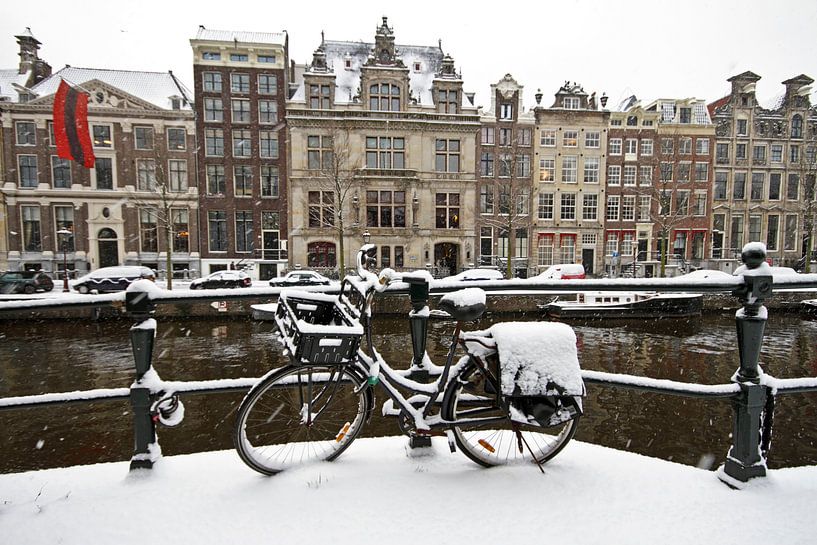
(321, 254)
(384, 97)
(797, 126)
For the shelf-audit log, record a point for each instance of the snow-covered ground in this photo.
(379, 493)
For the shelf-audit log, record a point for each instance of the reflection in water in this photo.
(53, 356)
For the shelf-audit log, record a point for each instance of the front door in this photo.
(445, 258)
(588, 257)
(108, 248)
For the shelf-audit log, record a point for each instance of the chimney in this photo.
(30, 61)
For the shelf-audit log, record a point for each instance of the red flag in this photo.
(71, 125)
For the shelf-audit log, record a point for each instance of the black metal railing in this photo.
(751, 392)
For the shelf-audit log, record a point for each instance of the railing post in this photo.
(142, 335)
(418, 320)
(745, 459)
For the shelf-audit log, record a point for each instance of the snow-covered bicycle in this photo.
(515, 394)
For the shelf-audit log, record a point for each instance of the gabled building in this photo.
(764, 170)
(241, 82)
(382, 145)
(571, 146)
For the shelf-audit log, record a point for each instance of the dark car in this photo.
(110, 279)
(25, 282)
(299, 278)
(222, 279)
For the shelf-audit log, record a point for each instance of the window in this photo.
(487, 136)
(666, 146)
(217, 225)
(742, 127)
(486, 164)
(679, 245)
(521, 246)
(793, 187)
(268, 144)
(64, 219)
(267, 84)
(590, 207)
(177, 175)
(592, 139)
(569, 169)
(568, 243)
(772, 232)
(523, 166)
(758, 181)
(615, 122)
(211, 56)
(740, 151)
(739, 186)
(701, 172)
(240, 83)
(27, 167)
(777, 153)
(645, 175)
(148, 230)
(32, 235)
(522, 201)
(211, 82)
(613, 175)
(699, 206)
(143, 137)
(447, 101)
(269, 181)
(176, 139)
(775, 179)
(319, 152)
(631, 146)
(545, 206)
(682, 203)
(267, 111)
(722, 153)
(718, 228)
(384, 97)
(523, 137)
(385, 256)
(241, 110)
(486, 199)
(591, 170)
(180, 219)
(447, 211)
(547, 169)
(719, 190)
(505, 136)
(320, 97)
(26, 133)
(547, 138)
(754, 228)
(611, 245)
(613, 202)
(270, 236)
(615, 146)
(486, 244)
(685, 146)
(60, 172)
(702, 146)
(644, 206)
(214, 142)
(216, 184)
(790, 236)
(386, 208)
(664, 203)
(627, 242)
(794, 153)
(146, 174)
(52, 141)
(102, 136)
(213, 109)
(505, 199)
(385, 152)
(632, 121)
(243, 231)
(266, 59)
(321, 208)
(447, 157)
(570, 139)
(568, 206)
(759, 154)
(685, 115)
(666, 172)
(505, 111)
(242, 143)
(797, 126)
(571, 103)
(646, 147)
(103, 167)
(545, 250)
(321, 254)
(630, 173)
(242, 180)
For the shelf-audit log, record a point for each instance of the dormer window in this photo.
(319, 97)
(417, 66)
(506, 111)
(270, 59)
(447, 101)
(176, 103)
(571, 103)
(797, 126)
(384, 97)
(348, 64)
(239, 57)
(632, 121)
(211, 56)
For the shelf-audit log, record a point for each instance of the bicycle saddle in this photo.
(464, 305)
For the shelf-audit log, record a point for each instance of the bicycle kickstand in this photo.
(520, 439)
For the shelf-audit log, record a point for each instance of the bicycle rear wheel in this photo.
(299, 415)
(501, 441)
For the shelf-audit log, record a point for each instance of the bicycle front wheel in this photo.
(299, 415)
(498, 440)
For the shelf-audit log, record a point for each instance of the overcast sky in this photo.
(653, 48)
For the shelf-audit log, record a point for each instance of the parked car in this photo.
(566, 271)
(25, 282)
(299, 278)
(222, 279)
(110, 279)
(470, 275)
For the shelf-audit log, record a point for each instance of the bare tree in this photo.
(806, 169)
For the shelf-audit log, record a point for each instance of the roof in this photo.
(153, 87)
(669, 110)
(9, 77)
(206, 34)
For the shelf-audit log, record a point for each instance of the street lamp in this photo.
(64, 235)
(367, 236)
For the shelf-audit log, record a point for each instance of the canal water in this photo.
(59, 356)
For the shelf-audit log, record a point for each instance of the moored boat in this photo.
(620, 304)
(810, 307)
(265, 312)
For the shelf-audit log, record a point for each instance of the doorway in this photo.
(108, 247)
(588, 257)
(445, 258)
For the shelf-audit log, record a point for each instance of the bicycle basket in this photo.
(317, 329)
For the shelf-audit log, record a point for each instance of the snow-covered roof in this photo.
(9, 78)
(347, 80)
(153, 87)
(277, 38)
